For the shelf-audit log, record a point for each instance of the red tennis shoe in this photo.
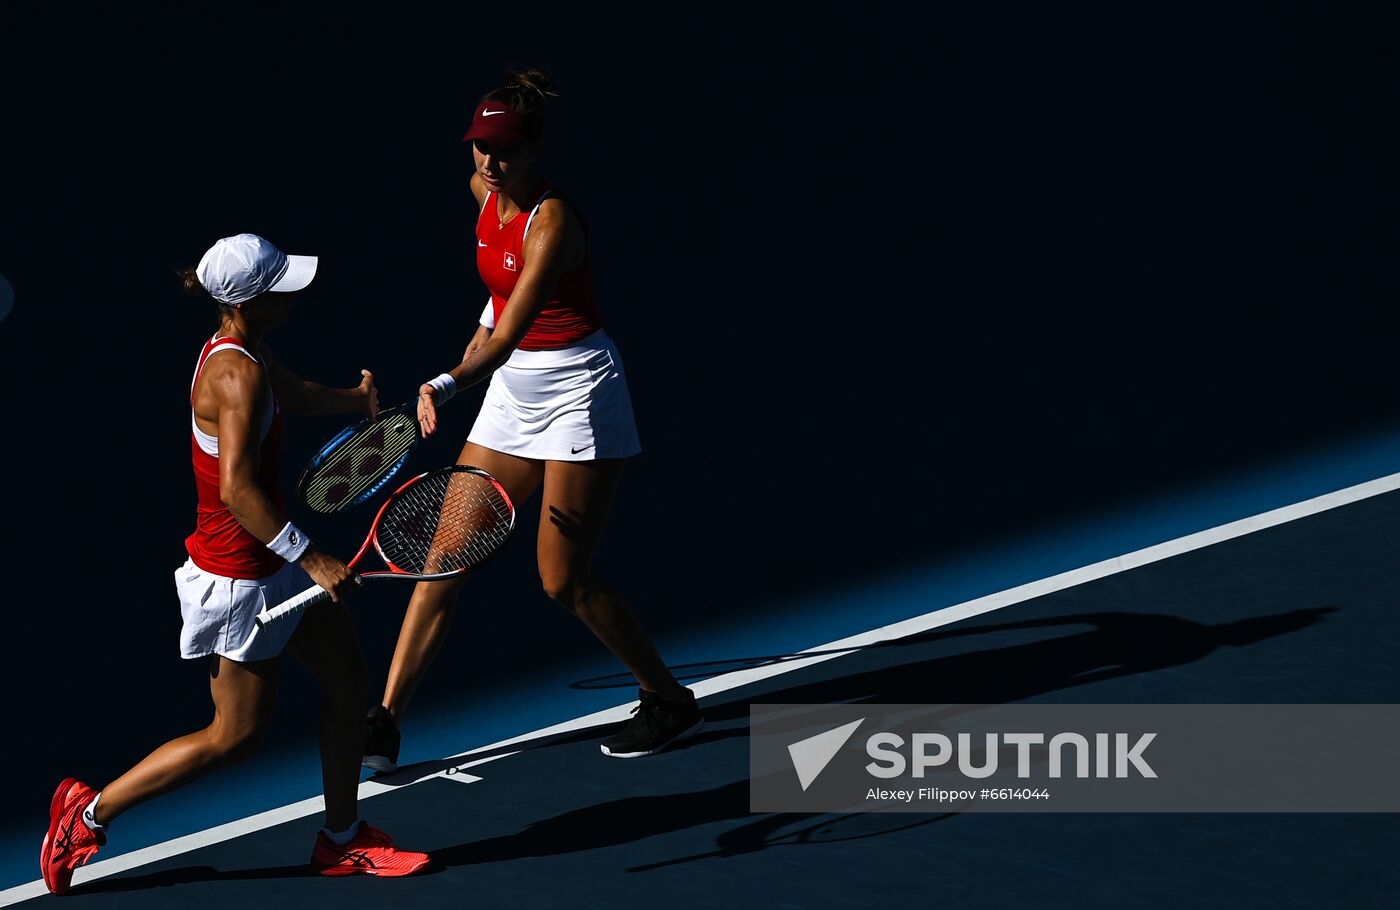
(370, 852)
(69, 843)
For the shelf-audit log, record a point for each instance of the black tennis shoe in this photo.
(655, 724)
(381, 741)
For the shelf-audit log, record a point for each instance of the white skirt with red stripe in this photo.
(566, 404)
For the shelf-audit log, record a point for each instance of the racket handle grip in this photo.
(291, 606)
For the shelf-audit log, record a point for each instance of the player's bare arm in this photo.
(300, 396)
(234, 388)
(479, 339)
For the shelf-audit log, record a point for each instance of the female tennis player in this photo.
(243, 554)
(556, 415)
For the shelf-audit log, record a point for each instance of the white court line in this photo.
(739, 678)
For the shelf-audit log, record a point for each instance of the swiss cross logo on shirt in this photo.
(509, 261)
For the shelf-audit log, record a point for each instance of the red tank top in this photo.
(569, 315)
(219, 543)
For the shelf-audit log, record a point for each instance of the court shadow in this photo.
(925, 668)
(704, 669)
(939, 667)
(793, 829)
(606, 824)
(1237, 634)
(1094, 646)
(634, 818)
(186, 875)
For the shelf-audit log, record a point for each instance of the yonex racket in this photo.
(359, 461)
(438, 525)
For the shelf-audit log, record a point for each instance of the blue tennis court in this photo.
(1284, 604)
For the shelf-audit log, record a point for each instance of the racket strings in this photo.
(444, 523)
(360, 464)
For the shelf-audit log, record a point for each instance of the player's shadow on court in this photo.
(186, 875)
(634, 818)
(921, 669)
(944, 666)
(1182, 631)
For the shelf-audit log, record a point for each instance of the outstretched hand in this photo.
(369, 394)
(427, 410)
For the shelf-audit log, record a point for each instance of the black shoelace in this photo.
(644, 719)
(358, 858)
(63, 840)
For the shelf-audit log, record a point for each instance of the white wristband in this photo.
(289, 543)
(445, 386)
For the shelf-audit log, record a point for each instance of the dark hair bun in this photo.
(532, 78)
(189, 280)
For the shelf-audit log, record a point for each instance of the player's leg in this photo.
(429, 613)
(578, 498)
(78, 815)
(326, 644)
(244, 694)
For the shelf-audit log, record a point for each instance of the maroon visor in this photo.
(501, 126)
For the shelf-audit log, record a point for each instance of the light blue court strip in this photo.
(951, 587)
(952, 578)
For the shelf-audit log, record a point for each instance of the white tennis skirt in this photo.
(566, 404)
(219, 612)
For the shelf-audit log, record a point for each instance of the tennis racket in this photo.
(438, 525)
(359, 461)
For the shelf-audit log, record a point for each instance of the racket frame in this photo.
(316, 593)
(325, 452)
(394, 570)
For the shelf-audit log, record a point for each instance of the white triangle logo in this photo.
(811, 755)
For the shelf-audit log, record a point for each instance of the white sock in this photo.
(341, 838)
(90, 818)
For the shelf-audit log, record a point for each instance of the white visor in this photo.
(300, 271)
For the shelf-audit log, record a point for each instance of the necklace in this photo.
(502, 222)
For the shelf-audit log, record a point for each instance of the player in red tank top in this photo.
(220, 543)
(569, 314)
(532, 252)
(242, 534)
